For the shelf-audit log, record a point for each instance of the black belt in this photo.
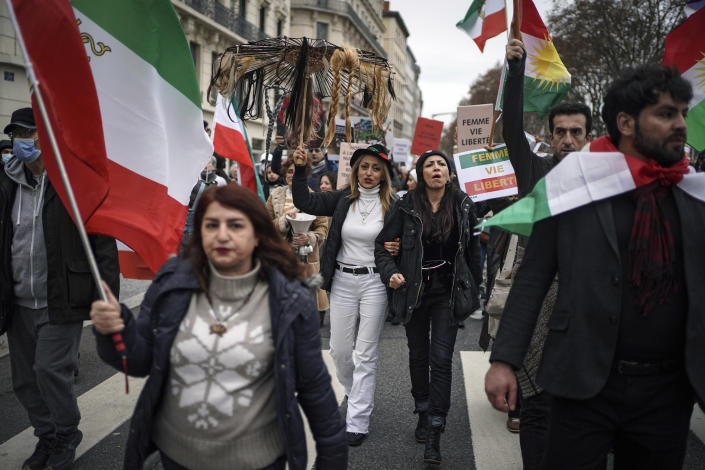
(635, 368)
(356, 271)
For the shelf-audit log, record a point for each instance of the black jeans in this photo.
(533, 433)
(644, 418)
(437, 353)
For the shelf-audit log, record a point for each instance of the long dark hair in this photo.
(439, 228)
(272, 251)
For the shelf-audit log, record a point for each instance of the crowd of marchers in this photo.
(600, 346)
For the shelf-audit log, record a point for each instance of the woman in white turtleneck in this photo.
(350, 275)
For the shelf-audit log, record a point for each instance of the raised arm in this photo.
(306, 201)
(528, 166)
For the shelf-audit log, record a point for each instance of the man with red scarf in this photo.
(625, 353)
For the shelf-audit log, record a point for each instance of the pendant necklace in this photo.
(219, 327)
(367, 210)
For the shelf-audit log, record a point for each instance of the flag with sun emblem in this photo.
(685, 49)
(546, 80)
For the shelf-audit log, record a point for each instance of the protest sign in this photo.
(427, 135)
(474, 124)
(400, 150)
(346, 152)
(486, 174)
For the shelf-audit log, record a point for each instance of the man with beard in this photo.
(625, 352)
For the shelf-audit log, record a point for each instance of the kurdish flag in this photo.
(685, 49)
(546, 80)
(485, 19)
(580, 179)
(230, 141)
(124, 103)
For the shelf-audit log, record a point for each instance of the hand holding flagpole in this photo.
(117, 337)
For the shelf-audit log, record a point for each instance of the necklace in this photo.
(366, 208)
(219, 327)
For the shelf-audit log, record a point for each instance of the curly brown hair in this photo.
(272, 250)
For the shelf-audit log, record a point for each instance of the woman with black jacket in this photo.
(434, 283)
(229, 338)
(350, 275)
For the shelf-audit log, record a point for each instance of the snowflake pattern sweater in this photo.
(219, 409)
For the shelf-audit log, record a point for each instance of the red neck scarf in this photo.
(651, 249)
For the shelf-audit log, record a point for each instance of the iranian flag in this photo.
(485, 19)
(685, 49)
(230, 141)
(123, 101)
(580, 179)
(546, 80)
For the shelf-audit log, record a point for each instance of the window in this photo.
(262, 17)
(9, 76)
(321, 30)
(195, 53)
(258, 144)
(243, 9)
(279, 28)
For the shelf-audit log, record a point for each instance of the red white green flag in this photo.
(230, 141)
(124, 103)
(583, 178)
(484, 19)
(685, 49)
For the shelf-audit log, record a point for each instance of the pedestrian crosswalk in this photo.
(106, 406)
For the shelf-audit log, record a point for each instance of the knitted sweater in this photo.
(219, 409)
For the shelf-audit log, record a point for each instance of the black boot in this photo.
(432, 453)
(421, 427)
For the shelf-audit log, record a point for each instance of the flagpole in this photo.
(514, 33)
(117, 337)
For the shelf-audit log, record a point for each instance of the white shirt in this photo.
(362, 224)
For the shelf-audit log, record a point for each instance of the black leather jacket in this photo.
(404, 222)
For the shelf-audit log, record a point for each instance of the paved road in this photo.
(475, 436)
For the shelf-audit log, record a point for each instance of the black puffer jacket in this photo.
(330, 203)
(404, 222)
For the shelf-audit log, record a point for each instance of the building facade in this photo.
(14, 88)
(213, 25)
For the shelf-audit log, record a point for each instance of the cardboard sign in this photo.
(486, 174)
(400, 150)
(474, 124)
(427, 135)
(346, 152)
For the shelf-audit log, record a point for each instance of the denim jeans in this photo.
(434, 353)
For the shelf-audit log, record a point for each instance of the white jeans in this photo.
(354, 295)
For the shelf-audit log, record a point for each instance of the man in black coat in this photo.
(625, 352)
(46, 290)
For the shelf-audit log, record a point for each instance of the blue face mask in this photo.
(24, 150)
(6, 157)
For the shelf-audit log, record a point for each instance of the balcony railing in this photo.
(216, 11)
(342, 8)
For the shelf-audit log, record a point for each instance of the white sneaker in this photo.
(477, 314)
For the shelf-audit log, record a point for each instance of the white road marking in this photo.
(103, 408)
(494, 447)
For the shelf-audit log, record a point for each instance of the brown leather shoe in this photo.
(513, 425)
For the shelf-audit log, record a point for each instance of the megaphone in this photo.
(301, 222)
